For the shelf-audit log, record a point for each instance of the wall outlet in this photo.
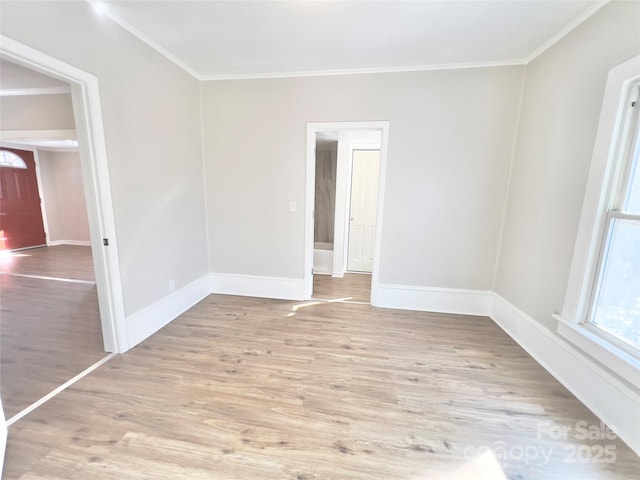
(172, 285)
(293, 206)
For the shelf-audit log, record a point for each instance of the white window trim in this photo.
(602, 175)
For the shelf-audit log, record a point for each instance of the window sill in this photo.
(611, 356)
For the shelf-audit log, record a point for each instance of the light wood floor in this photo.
(62, 261)
(355, 287)
(242, 388)
(49, 329)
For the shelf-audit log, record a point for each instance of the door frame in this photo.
(87, 110)
(319, 127)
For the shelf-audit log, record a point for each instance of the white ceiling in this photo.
(244, 39)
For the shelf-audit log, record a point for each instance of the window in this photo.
(10, 159)
(615, 304)
(601, 311)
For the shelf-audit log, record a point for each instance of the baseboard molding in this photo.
(321, 270)
(607, 397)
(82, 243)
(256, 286)
(149, 320)
(427, 299)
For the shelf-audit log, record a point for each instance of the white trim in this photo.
(17, 92)
(309, 219)
(431, 299)
(88, 117)
(257, 286)
(602, 175)
(17, 135)
(351, 71)
(58, 390)
(316, 127)
(144, 323)
(59, 149)
(3, 437)
(565, 31)
(375, 274)
(610, 399)
(364, 71)
(106, 10)
(618, 360)
(341, 205)
(79, 243)
(43, 206)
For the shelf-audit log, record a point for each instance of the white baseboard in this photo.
(82, 243)
(149, 320)
(607, 397)
(321, 270)
(256, 286)
(427, 299)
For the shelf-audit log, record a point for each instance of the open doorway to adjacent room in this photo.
(345, 161)
(51, 328)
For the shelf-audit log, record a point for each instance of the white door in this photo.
(363, 212)
(3, 437)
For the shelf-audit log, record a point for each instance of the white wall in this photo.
(36, 112)
(15, 77)
(562, 100)
(63, 193)
(451, 136)
(151, 114)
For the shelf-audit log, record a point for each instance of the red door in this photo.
(20, 213)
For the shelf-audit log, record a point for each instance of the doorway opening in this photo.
(96, 260)
(50, 327)
(346, 166)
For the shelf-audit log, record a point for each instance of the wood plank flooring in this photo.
(49, 329)
(243, 388)
(61, 261)
(355, 287)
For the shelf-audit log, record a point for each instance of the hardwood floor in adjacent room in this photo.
(245, 388)
(354, 287)
(49, 322)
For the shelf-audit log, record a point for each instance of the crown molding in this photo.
(105, 10)
(26, 135)
(565, 31)
(365, 71)
(16, 92)
(351, 71)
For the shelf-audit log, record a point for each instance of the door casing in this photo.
(317, 127)
(87, 109)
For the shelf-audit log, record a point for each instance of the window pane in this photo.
(10, 159)
(632, 205)
(617, 310)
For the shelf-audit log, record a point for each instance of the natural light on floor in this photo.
(295, 308)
